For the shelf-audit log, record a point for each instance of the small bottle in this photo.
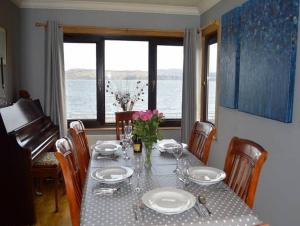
(137, 144)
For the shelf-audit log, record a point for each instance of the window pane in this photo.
(169, 80)
(80, 75)
(211, 82)
(126, 73)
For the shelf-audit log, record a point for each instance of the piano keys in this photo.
(25, 132)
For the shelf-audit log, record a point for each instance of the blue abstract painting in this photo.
(230, 57)
(268, 58)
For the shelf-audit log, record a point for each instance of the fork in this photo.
(197, 210)
(135, 211)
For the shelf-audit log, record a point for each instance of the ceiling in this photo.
(183, 7)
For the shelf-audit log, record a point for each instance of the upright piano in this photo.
(25, 132)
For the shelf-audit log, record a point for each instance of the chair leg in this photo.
(38, 186)
(62, 180)
(56, 193)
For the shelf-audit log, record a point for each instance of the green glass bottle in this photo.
(137, 144)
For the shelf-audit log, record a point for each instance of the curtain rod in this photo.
(79, 29)
(43, 24)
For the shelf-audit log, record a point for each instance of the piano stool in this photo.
(45, 166)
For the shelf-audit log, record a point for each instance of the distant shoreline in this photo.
(129, 79)
(88, 74)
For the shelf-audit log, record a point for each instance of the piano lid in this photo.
(20, 114)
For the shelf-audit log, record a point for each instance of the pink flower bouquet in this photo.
(146, 125)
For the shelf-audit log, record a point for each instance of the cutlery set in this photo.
(201, 201)
(107, 157)
(105, 191)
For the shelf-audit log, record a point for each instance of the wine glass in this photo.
(184, 165)
(138, 162)
(128, 132)
(177, 152)
(125, 145)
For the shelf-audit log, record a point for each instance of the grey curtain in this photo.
(54, 81)
(189, 83)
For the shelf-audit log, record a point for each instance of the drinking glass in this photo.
(177, 152)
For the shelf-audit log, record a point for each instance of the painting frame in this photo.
(230, 58)
(268, 58)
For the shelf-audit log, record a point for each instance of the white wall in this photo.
(9, 20)
(277, 200)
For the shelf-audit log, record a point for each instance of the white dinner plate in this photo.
(112, 175)
(167, 145)
(105, 148)
(205, 175)
(169, 200)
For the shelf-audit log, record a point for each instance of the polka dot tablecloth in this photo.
(117, 209)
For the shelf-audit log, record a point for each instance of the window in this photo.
(169, 80)
(126, 64)
(80, 77)
(97, 67)
(209, 78)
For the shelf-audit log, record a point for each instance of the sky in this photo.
(121, 55)
(213, 50)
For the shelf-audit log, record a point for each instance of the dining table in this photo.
(117, 209)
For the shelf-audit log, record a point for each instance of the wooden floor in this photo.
(45, 207)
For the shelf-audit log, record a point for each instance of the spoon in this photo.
(202, 200)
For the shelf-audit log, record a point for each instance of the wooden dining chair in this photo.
(243, 165)
(122, 119)
(201, 139)
(64, 155)
(79, 138)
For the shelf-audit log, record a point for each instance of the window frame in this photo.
(99, 40)
(208, 33)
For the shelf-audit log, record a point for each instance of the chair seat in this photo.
(46, 165)
(46, 159)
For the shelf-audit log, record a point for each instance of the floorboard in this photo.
(45, 206)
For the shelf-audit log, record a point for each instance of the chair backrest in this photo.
(64, 154)
(122, 119)
(243, 165)
(77, 132)
(24, 94)
(201, 139)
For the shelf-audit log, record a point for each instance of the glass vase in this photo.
(148, 151)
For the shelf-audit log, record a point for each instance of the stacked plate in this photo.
(106, 148)
(168, 145)
(204, 175)
(112, 175)
(169, 200)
